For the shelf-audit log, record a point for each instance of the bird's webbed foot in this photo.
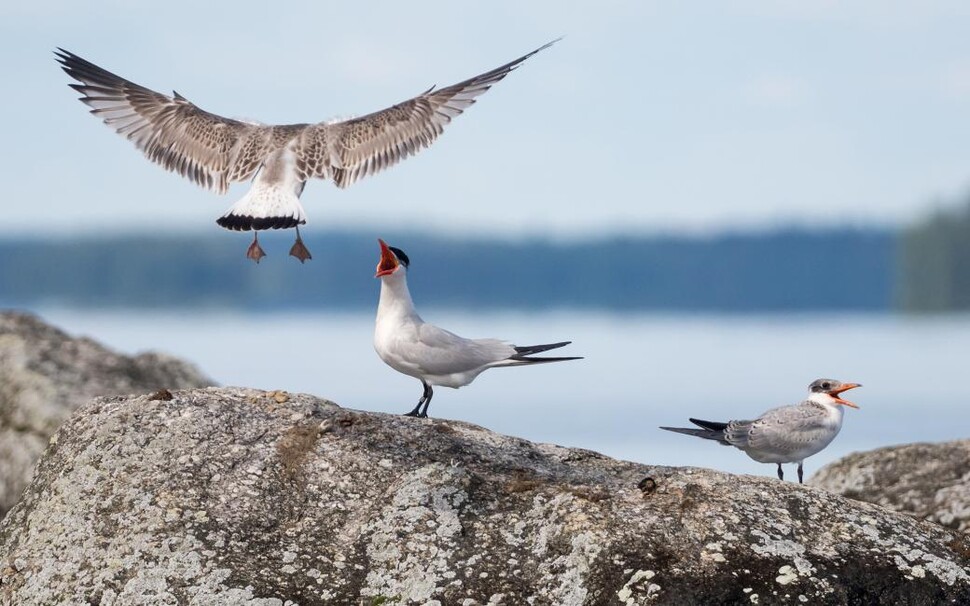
(255, 251)
(299, 250)
(419, 412)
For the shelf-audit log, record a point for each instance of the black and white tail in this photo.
(273, 200)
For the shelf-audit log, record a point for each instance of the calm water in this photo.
(640, 371)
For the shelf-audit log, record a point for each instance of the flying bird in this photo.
(213, 151)
(789, 434)
(430, 354)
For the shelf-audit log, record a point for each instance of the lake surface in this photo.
(640, 371)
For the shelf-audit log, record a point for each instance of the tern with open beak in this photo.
(430, 354)
(789, 434)
(213, 151)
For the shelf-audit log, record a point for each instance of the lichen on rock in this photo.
(237, 496)
(929, 481)
(45, 374)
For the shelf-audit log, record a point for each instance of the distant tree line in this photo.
(783, 270)
(934, 262)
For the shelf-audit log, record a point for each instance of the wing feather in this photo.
(212, 150)
(442, 352)
(788, 428)
(171, 131)
(371, 143)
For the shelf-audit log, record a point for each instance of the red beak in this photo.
(845, 387)
(388, 261)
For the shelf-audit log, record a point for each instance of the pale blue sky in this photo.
(686, 116)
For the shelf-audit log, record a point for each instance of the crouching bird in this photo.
(430, 354)
(789, 434)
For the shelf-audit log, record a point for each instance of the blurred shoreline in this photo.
(785, 270)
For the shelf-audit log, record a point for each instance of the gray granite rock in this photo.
(233, 496)
(45, 374)
(929, 481)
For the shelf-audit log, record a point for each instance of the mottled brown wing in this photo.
(171, 131)
(368, 144)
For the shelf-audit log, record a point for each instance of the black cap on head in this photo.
(401, 256)
(824, 385)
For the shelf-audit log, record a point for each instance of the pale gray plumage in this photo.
(787, 434)
(433, 355)
(787, 429)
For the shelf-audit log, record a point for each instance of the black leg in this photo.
(800, 473)
(781, 474)
(428, 393)
(425, 398)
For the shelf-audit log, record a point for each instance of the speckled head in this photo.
(832, 388)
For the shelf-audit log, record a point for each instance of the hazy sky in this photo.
(647, 116)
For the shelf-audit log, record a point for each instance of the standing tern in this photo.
(433, 355)
(213, 151)
(789, 434)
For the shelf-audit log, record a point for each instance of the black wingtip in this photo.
(550, 43)
(522, 59)
(527, 350)
(711, 425)
(66, 58)
(63, 58)
(515, 64)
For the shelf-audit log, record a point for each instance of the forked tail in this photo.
(524, 354)
(711, 430)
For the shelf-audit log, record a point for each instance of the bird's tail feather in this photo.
(265, 206)
(521, 351)
(524, 354)
(707, 434)
(269, 204)
(519, 361)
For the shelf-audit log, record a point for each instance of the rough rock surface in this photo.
(45, 374)
(236, 496)
(930, 481)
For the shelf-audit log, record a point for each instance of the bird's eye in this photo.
(826, 386)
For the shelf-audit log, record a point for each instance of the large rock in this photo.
(236, 496)
(930, 481)
(45, 374)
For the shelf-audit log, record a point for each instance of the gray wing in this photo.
(207, 149)
(442, 352)
(347, 151)
(783, 429)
